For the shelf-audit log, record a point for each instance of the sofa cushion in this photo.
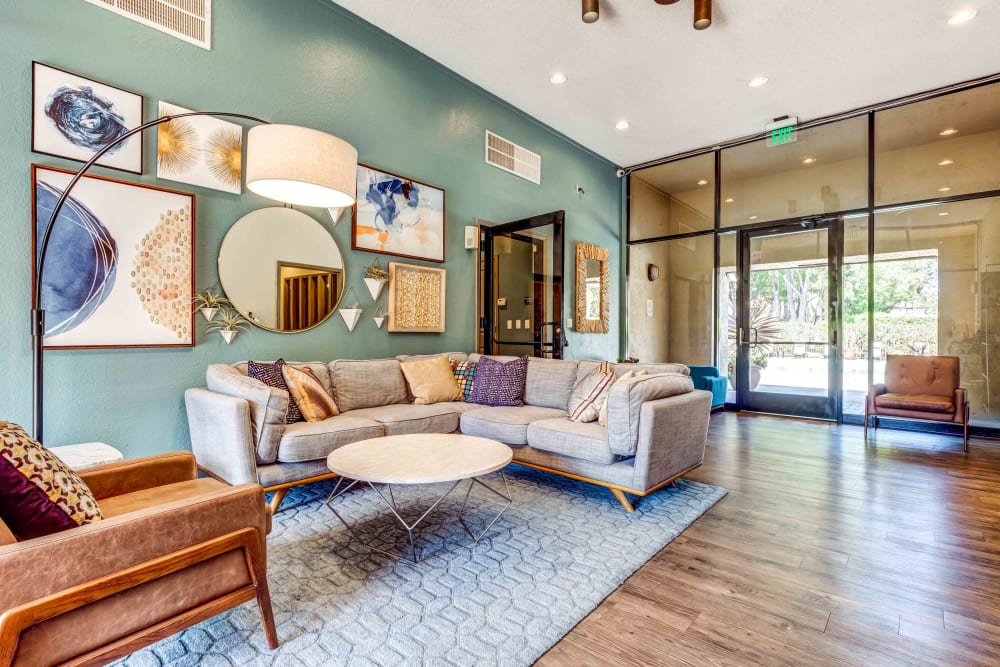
(319, 369)
(431, 380)
(927, 376)
(39, 494)
(309, 441)
(403, 418)
(308, 394)
(452, 356)
(506, 424)
(652, 369)
(271, 375)
(625, 401)
(581, 440)
(602, 400)
(583, 405)
(920, 402)
(268, 406)
(499, 383)
(549, 382)
(367, 383)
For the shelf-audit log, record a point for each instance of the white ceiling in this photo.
(681, 88)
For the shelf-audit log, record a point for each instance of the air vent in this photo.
(512, 158)
(190, 20)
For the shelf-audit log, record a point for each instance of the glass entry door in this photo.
(787, 358)
(523, 287)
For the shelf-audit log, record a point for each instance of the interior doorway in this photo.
(521, 294)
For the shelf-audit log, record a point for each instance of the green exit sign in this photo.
(781, 132)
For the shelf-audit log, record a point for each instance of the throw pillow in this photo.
(270, 374)
(583, 406)
(431, 380)
(465, 373)
(308, 393)
(39, 494)
(499, 384)
(602, 419)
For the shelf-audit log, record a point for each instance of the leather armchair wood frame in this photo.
(92, 594)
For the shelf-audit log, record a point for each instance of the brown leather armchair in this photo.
(917, 387)
(172, 551)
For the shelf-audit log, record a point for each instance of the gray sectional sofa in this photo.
(656, 424)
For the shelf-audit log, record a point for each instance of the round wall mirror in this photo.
(281, 269)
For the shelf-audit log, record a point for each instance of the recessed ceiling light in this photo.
(730, 200)
(809, 160)
(703, 182)
(945, 163)
(944, 189)
(557, 78)
(622, 125)
(753, 217)
(943, 213)
(948, 132)
(963, 16)
(757, 81)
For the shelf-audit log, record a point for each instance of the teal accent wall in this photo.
(304, 62)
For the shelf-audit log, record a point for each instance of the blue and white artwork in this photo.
(398, 216)
(75, 117)
(118, 268)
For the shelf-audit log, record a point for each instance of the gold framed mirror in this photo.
(593, 288)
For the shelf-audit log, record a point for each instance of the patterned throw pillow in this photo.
(270, 374)
(583, 403)
(499, 384)
(39, 494)
(465, 373)
(308, 393)
(602, 418)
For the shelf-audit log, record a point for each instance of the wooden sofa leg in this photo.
(623, 499)
(965, 429)
(867, 419)
(276, 499)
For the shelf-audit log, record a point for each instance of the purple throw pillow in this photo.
(270, 374)
(498, 383)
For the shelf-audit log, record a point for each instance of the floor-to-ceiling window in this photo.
(912, 193)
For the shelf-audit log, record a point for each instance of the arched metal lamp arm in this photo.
(37, 313)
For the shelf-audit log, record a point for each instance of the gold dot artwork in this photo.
(161, 272)
(418, 303)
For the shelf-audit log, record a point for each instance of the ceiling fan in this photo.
(702, 11)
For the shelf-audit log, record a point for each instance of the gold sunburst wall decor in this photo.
(176, 146)
(200, 150)
(224, 155)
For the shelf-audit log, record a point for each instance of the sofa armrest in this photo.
(268, 407)
(874, 391)
(221, 435)
(625, 401)
(672, 436)
(78, 555)
(961, 402)
(115, 479)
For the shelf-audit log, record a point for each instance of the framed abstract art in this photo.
(398, 216)
(199, 150)
(120, 265)
(416, 298)
(74, 117)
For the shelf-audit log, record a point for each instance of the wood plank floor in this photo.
(825, 552)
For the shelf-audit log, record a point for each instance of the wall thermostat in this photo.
(471, 237)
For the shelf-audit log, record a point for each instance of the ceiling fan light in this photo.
(591, 11)
(702, 14)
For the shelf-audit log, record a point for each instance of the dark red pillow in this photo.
(39, 494)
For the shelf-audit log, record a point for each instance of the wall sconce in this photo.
(652, 272)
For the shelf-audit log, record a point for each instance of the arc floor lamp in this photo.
(291, 164)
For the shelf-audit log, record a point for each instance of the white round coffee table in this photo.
(422, 458)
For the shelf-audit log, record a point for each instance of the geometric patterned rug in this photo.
(554, 555)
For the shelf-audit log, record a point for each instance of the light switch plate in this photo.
(649, 307)
(510, 325)
(517, 324)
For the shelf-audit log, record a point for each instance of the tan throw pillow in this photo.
(308, 393)
(431, 380)
(582, 406)
(603, 418)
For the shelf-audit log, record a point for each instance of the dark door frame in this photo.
(555, 346)
(829, 407)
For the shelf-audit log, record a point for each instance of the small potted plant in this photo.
(208, 303)
(229, 324)
(375, 279)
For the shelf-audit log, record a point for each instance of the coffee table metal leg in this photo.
(411, 528)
